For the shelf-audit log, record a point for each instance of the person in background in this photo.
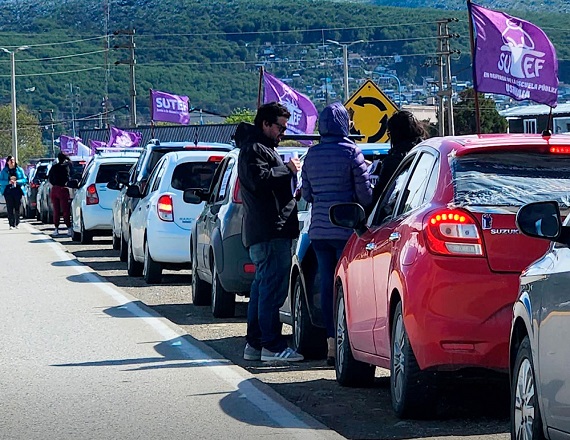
(334, 171)
(405, 132)
(58, 176)
(12, 178)
(270, 223)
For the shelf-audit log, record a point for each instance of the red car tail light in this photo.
(560, 150)
(249, 268)
(453, 232)
(236, 196)
(215, 158)
(165, 208)
(92, 198)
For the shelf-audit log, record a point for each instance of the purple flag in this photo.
(68, 145)
(123, 139)
(303, 112)
(96, 145)
(169, 108)
(513, 57)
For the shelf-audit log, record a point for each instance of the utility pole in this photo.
(445, 92)
(48, 117)
(131, 61)
(104, 122)
(74, 104)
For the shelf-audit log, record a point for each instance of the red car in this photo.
(428, 281)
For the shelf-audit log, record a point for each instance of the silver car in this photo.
(540, 333)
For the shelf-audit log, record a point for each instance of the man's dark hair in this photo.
(270, 112)
(403, 126)
(62, 157)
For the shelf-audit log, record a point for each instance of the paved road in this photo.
(83, 359)
(475, 407)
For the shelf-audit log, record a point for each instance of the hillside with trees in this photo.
(212, 51)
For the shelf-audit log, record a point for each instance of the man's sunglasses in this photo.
(282, 128)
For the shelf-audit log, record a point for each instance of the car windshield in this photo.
(108, 171)
(41, 172)
(193, 175)
(511, 179)
(76, 169)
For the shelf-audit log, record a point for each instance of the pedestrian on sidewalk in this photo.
(58, 176)
(270, 224)
(333, 172)
(12, 178)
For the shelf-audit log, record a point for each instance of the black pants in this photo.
(13, 207)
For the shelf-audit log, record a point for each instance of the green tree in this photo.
(240, 115)
(464, 115)
(29, 134)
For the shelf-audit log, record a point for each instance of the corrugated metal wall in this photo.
(175, 133)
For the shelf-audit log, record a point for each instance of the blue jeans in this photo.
(328, 253)
(272, 260)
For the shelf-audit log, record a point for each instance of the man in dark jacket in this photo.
(334, 171)
(269, 225)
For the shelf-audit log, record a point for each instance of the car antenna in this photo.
(548, 131)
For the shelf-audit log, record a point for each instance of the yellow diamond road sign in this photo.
(370, 109)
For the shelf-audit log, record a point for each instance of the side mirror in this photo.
(134, 192)
(195, 196)
(349, 215)
(540, 220)
(73, 183)
(113, 184)
(123, 177)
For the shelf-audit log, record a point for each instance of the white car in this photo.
(161, 224)
(91, 205)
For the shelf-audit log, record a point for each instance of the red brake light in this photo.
(92, 198)
(560, 150)
(165, 208)
(236, 196)
(215, 158)
(249, 268)
(453, 232)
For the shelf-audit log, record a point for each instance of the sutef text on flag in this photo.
(512, 57)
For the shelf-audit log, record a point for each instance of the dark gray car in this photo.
(539, 348)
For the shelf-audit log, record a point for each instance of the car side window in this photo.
(85, 175)
(153, 178)
(385, 208)
(158, 178)
(414, 193)
(225, 180)
(135, 171)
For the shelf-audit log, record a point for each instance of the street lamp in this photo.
(14, 113)
(389, 75)
(345, 58)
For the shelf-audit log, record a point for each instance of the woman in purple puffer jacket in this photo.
(334, 171)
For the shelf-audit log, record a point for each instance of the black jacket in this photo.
(59, 174)
(265, 185)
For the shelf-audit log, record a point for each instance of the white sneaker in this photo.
(17, 226)
(55, 233)
(11, 227)
(287, 355)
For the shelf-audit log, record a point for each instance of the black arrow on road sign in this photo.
(381, 132)
(361, 101)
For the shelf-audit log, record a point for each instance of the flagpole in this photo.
(549, 125)
(151, 114)
(472, 43)
(260, 85)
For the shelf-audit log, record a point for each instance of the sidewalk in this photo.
(82, 359)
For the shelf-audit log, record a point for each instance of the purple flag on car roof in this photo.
(96, 145)
(303, 112)
(169, 108)
(123, 139)
(68, 145)
(513, 57)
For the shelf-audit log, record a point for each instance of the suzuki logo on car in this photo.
(504, 231)
(186, 220)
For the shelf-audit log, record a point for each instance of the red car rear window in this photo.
(511, 179)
